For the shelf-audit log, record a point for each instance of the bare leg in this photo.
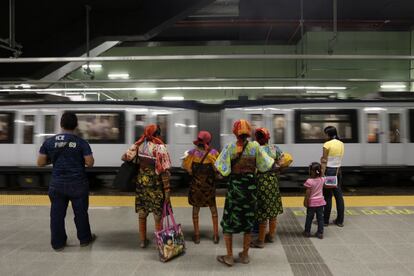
(157, 221)
(259, 243)
(142, 222)
(214, 216)
(244, 255)
(196, 237)
(227, 259)
(270, 237)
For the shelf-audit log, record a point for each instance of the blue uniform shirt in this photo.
(69, 164)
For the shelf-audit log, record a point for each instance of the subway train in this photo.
(378, 135)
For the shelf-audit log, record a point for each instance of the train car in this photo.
(110, 128)
(378, 135)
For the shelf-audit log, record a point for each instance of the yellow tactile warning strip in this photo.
(181, 201)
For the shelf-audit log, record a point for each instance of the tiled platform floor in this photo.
(374, 241)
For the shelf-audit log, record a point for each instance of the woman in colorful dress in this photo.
(269, 201)
(240, 160)
(152, 185)
(199, 163)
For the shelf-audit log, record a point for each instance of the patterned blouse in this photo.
(273, 151)
(263, 161)
(195, 155)
(155, 151)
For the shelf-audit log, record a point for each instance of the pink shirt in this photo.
(316, 195)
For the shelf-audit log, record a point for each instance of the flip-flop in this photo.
(222, 259)
(242, 259)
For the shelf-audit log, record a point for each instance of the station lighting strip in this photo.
(151, 89)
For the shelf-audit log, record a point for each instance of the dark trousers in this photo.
(310, 214)
(78, 195)
(339, 198)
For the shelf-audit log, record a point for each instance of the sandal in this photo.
(269, 239)
(196, 239)
(216, 239)
(227, 260)
(244, 259)
(257, 244)
(144, 243)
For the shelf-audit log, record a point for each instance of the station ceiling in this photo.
(55, 28)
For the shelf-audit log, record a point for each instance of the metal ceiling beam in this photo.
(207, 57)
(178, 80)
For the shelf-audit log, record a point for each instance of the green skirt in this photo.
(149, 195)
(269, 201)
(240, 204)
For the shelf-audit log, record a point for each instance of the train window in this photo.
(139, 126)
(373, 123)
(104, 127)
(162, 121)
(279, 123)
(256, 121)
(6, 127)
(49, 126)
(394, 128)
(28, 129)
(229, 123)
(309, 125)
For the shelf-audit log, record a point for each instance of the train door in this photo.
(374, 151)
(278, 127)
(28, 137)
(139, 121)
(395, 136)
(182, 132)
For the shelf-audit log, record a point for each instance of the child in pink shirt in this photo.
(314, 200)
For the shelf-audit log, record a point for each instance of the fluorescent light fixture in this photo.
(23, 85)
(176, 88)
(76, 97)
(374, 109)
(95, 66)
(320, 92)
(118, 76)
(393, 86)
(173, 98)
(146, 90)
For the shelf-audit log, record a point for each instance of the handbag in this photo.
(126, 175)
(170, 239)
(331, 181)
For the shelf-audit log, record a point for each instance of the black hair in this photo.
(315, 168)
(69, 121)
(259, 135)
(331, 132)
(244, 137)
(157, 133)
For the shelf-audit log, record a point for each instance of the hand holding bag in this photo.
(169, 240)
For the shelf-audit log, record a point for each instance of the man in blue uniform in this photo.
(69, 155)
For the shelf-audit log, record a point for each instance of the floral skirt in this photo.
(149, 195)
(269, 201)
(240, 204)
(202, 192)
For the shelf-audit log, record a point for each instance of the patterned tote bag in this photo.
(170, 239)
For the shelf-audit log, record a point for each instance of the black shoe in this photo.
(93, 238)
(326, 224)
(338, 224)
(306, 234)
(319, 235)
(58, 249)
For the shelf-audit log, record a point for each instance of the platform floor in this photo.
(375, 241)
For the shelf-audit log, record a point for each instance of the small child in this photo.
(314, 200)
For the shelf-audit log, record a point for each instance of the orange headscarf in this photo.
(148, 135)
(203, 138)
(266, 135)
(241, 127)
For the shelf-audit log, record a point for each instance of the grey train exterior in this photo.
(378, 135)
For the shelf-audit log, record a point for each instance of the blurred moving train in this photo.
(378, 135)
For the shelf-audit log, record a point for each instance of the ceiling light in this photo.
(320, 92)
(23, 85)
(147, 90)
(118, 76)
(173, 98)
(95, 66)
(393, 86)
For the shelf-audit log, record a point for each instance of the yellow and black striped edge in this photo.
(181, 201)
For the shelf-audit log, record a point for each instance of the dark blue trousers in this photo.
(60, 195)
(310, 214)
(339, 198)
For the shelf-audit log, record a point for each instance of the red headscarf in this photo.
(265, 135)
(204, 138)
(148, 135)
(241, 127)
